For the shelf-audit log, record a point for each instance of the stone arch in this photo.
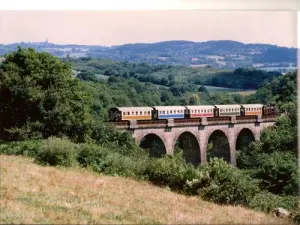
(244, 137)
(154, 144)
(218, 145)
(190, 145)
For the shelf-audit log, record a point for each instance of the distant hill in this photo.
(218, 54)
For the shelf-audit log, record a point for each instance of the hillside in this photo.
(35, 194)
(169, 76)
(218, 54)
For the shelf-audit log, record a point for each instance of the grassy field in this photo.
(101, 76)
(222, 89)
(244, 93)
(34, 194)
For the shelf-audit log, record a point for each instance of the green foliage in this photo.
(240, 78)
(39, 95)
(57, 152)
(267, 202)
(110, 161)
(282, 137)
(87, 76)
(167, 170)
(281, 90)
(28, 148)
(278, 173)
(221, 183)
(93, 156)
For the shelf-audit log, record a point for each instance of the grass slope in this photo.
(34, 194)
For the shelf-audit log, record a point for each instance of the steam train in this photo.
(190, 111)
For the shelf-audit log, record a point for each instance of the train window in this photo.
(123, 113)
(132, 113)
(136, 113)
(198, 110)
(167, 111)
(141, 113)
(171, 111)
(164, 112)
(148, 112)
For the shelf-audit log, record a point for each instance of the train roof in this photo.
(134, 108)
(227, 106)
(199, 106)
(169, 107)
(253, 105)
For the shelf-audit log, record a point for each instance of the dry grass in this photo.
(34, 194)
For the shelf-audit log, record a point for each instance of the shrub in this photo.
(27, 148)
(57, 152)
(110, 137)
(278, 172)
(266, 202)
(92, 155)
(221, 183)
(169, 170)
(120, 165)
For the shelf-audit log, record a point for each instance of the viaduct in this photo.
(199, 138)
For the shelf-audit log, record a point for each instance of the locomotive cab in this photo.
(269, 110)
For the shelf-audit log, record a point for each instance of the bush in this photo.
(267, 202)
(91, 155)
(57, 152)
(169, 170)
(110, 137)
(221, 183)
(27, 148)
(102, 159)
(278, 172)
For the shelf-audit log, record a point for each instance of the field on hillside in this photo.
(34, 194)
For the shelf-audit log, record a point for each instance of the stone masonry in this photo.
(202, 134)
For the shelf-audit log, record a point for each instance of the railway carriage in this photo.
(251, 109)
(168, 112)
(130, 113)
(199, 111)
(228, 110)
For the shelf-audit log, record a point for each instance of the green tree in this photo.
(87, 76)
(38, 95)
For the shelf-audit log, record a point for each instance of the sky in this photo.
(122, 27)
